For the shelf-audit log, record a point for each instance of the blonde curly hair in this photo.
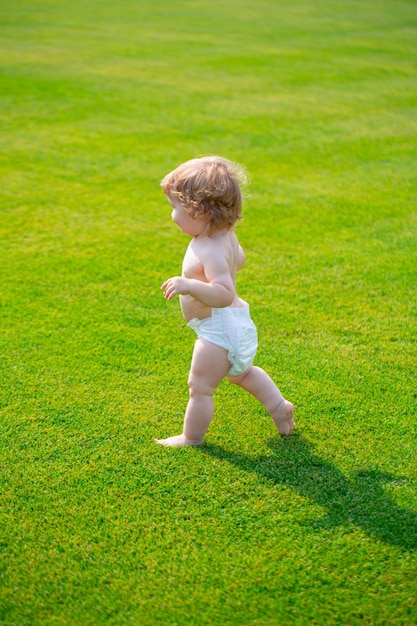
(208, 185)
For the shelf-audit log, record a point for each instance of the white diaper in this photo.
(230, 328)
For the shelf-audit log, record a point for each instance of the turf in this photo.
(99, 100)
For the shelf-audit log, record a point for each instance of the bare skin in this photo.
(208, 281)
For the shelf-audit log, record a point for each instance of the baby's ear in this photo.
(200, 212)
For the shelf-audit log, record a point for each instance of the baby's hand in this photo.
(175, 286)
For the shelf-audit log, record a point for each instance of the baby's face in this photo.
(189, 225)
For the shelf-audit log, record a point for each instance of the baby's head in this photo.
(207, 186)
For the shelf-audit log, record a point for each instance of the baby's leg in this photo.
(209, 366)
(259, 384)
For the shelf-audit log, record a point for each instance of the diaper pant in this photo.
(230, 328)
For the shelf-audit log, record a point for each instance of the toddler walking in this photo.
(206, 203)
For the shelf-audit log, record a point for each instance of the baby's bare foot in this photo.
(283, 418)
(179, 441)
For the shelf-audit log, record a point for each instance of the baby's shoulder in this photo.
(210, 248)
(224, 249)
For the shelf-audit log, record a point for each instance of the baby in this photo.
(206, 204)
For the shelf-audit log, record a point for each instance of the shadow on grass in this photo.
(356, 501)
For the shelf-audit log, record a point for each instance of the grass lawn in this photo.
(98, 525)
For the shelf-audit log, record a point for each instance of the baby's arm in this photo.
(218, 291)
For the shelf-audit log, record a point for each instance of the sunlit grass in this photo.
(100, 526)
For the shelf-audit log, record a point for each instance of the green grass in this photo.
(99, 100)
